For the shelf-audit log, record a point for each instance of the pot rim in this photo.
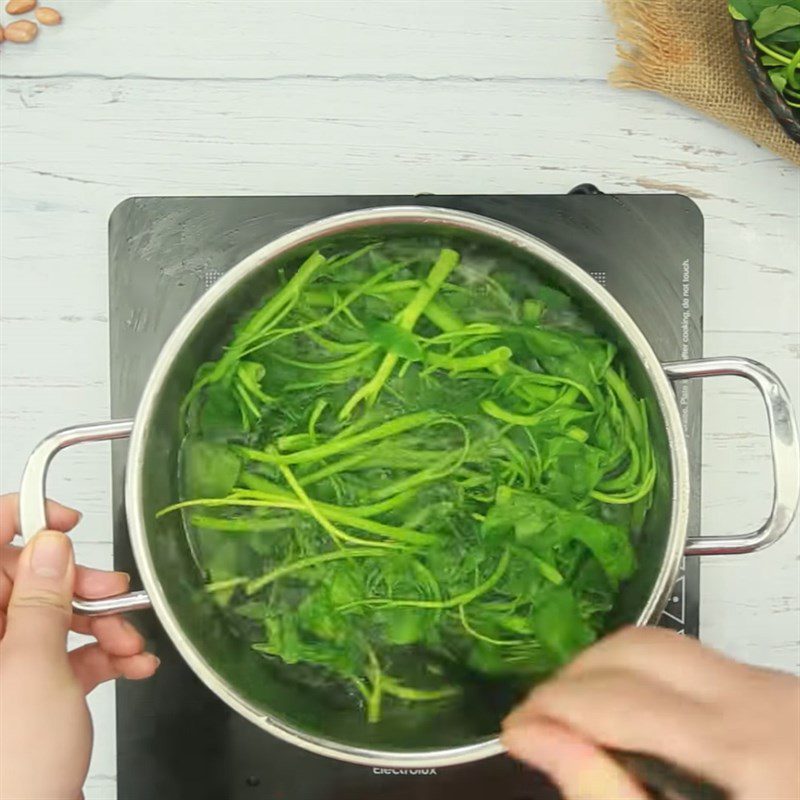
(341, 223)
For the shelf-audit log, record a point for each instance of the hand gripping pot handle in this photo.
(32, 514)
(785, 452)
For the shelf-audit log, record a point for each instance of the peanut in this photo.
(48, 16)
(19, 6)
(21, 31)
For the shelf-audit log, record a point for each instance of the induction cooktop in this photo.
(175, 738)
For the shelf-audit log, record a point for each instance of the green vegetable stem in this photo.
(409, 462)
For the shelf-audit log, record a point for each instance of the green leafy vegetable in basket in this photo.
(409, 463)
(776, 33)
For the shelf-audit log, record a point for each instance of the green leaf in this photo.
(394, 339)
(594, 591)
(560, 626)
(532, 310)
(788, 38)
(775, 18)
(404, 626)
(209, 469)
(316, 614)
(571, 355)
(735, 13)
(609, 544)
(344, 588)
(553, 298)
(521, 513)
(541, 525)
(778, 79)
(750, 9)
(219, 413)
(572, 469)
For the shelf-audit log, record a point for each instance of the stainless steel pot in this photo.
(172, 585)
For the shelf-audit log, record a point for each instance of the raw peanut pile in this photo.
(25, 30)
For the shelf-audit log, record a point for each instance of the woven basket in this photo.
(768, 94)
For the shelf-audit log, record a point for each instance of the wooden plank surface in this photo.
(257, 39)
(210, 97)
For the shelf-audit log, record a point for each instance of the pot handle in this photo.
(32, 493)
(785, 452)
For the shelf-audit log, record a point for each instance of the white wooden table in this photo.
(210, 97)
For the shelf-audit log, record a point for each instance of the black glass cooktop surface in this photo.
(176, 739)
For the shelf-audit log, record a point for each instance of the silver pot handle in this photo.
(785, 452)
(32, 493)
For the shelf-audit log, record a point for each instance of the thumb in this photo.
(40, 608)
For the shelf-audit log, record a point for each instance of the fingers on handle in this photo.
(93, 665)
(116, 636)
(6, 585)
(89, 583)
(579, 768)
(40, 606)
(59, 517)
(96, 583)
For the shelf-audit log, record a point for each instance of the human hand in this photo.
(45, 727)
(653, 691)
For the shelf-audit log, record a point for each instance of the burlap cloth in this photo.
(686, 50)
